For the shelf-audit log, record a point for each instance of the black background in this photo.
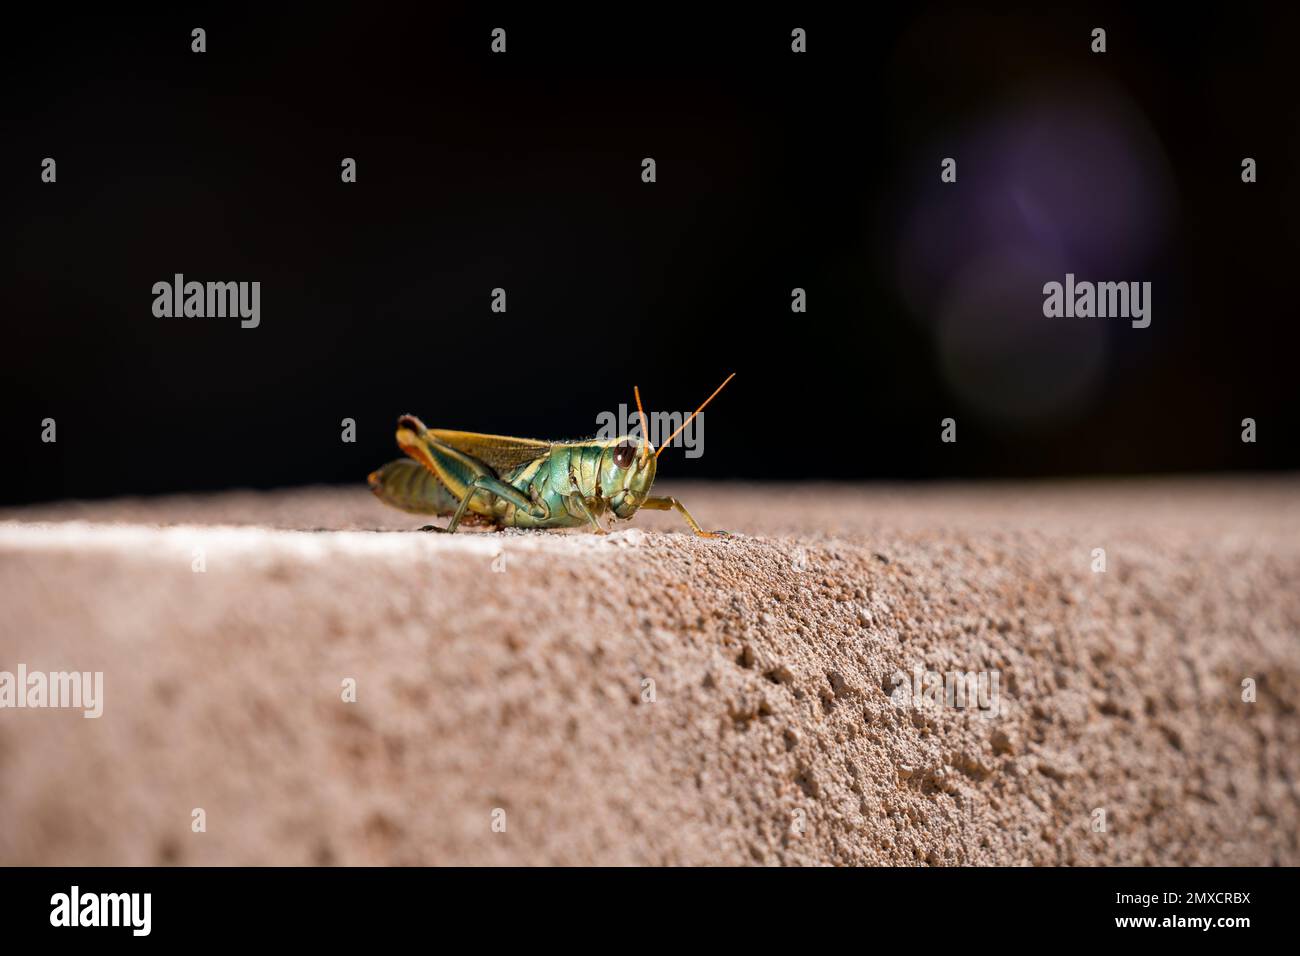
(523, 171)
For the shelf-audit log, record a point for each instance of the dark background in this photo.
(522, 171)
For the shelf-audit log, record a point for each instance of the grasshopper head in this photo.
(628, 464)
(627, 471)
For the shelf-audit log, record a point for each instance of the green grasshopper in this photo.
(525, 483)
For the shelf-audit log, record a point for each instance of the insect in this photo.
(525, 483)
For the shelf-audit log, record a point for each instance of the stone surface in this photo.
(509, 671)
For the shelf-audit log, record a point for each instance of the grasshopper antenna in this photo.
(645, 432)
(681, 428)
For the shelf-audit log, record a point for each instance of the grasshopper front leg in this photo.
(668, 503)
(581, 502)
(576, 497)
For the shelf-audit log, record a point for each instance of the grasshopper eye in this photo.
(624, 455)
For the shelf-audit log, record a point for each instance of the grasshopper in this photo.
(525, 483)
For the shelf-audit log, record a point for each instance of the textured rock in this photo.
(512, 671)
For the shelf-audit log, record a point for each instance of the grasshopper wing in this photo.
(498, 452)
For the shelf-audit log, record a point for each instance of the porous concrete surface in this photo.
(653, 698)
